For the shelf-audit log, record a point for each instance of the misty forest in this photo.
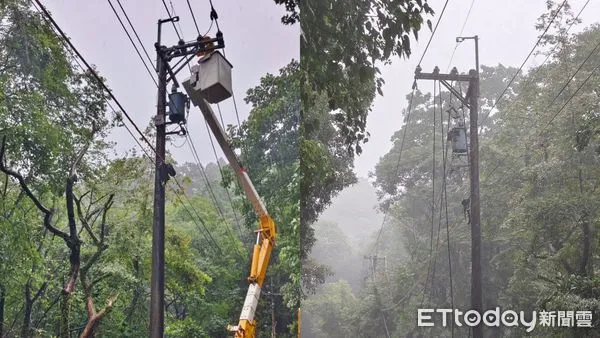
(400, 240)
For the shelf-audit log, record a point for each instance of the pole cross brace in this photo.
(462, 99)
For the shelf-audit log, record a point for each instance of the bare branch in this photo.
(83, 220)
(47, 212)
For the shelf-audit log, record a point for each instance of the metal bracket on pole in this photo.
(456, 93)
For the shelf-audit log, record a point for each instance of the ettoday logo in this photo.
(508, 318)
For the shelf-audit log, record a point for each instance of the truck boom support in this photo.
(265, 234)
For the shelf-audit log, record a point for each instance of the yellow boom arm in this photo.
(265, 237)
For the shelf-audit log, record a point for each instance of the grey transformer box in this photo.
(210, 79)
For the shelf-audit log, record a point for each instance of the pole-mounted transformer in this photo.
(178, 106)
(458, 136)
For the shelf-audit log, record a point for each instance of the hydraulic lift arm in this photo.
(265, 237)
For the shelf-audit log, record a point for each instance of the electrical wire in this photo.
(572, 96)
(432, 33)
(414, 87)
(212, 144)
(566, 102)
(72, 49)
(430, 267)
(209, 186)
(574, 74)
(131, 40)
(221, 118)
(135, 33)
(93, 72)
(171, 18)
(197, 158)
(194, 17)
(523, 63)
(445, 186)
(551, 53)
(460, 34)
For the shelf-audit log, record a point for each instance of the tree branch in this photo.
(47, 212)
(84, 222)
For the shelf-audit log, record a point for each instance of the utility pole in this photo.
(373, 264)
(157, 283)
(273, 320)
(470, 101)
(164, 170)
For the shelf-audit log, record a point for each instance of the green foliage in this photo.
(539, 196)
(333, 310)
(341, 44)
(50, 112)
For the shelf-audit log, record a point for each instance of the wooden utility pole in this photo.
(164, 170)
(470, 101)
(157, 282)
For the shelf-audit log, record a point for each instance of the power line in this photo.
(76, 59)
(572, 96)
(214, 18)
(568, 100)
(209, 186)
(93, 72)
(214, 15)
(537, 69)
(414, 87)
(212, 144)
(524, 61)
(131, 40)
(573, 76)
(429, 266)
(432, 33)
(460, 34)
(445, 191)
(193, 16)
(171, 17)
(197, 158)
(135, 32)
(444, 198)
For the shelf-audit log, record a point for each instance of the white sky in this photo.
(257, 43)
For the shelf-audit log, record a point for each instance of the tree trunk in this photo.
(586, 240)
(1, 310)
(65, 318)
(25, 329)
(136, 294)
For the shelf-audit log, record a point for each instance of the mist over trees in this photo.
(540, 205)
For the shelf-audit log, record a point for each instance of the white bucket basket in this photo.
(210, 80)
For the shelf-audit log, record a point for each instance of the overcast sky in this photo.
(257, 43)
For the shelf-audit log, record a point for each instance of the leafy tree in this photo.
(332, 311)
